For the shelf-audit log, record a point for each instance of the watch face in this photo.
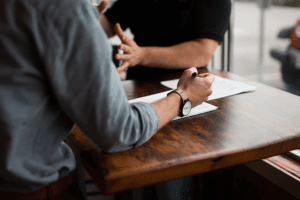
(187, 107)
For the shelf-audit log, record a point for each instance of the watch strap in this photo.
(181, 94)
(183, 97)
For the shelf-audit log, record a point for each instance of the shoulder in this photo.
(59, 9)
(213, 4)
(218, 8)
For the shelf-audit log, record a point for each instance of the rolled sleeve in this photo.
(150, 116)
(210, 19)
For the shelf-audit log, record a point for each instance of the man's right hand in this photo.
(197, 89)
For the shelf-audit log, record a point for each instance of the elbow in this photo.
(203, 60)
(131, 130)
(207, 59)
(117, 146)
(205, 49)
(122, 137)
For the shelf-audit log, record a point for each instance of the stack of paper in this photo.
(203, 108)
(222, 87)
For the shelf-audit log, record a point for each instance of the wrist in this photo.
(143, 57)
(185, 103)
(177, 99)
(187, 94)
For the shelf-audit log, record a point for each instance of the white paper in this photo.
(296, 152)
(222, 87)
(151, 98)
(203, 108)
(96, 2)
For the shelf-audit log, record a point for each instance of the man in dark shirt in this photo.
(169, 34)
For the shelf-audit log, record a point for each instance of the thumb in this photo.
(102, 6)
(210, 78)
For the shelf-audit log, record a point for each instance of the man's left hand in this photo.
(133, 54)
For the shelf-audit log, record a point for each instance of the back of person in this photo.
(32, 123)
(55, 71)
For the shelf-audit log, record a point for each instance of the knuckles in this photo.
(209, 92)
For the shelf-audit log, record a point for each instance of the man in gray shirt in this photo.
(55, 71)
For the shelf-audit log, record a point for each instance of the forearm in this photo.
(107, 26)
(167, 109)
(181, 56)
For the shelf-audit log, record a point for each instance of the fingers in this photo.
(189, 72)
(207, 76)
(124, 66)
(207, 80)
(124, 48)
(203, 75)
(102, 6)
(120, 32)
(193, 69)
(123, 75)
(210, 78)
(197, 89)
(122, 35)
(123, 56)
(118, 29)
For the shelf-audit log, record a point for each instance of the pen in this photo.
(195, 74)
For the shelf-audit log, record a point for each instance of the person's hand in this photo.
(133, 54)
(102, 6)
(123, 75)
(197, 89)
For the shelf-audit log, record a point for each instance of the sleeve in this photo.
(213, 20)
(122, 12)
(86, 84)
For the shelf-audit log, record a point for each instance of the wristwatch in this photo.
(186, 104)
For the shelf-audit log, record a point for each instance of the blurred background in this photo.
(247, 35)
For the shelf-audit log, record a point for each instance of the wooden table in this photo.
(245, 127)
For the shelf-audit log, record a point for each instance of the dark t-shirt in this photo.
(169, 22)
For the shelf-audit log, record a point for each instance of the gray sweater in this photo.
(56, 70)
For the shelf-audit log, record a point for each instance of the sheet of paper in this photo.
(203, 108)
(296, 152)
(222, 87)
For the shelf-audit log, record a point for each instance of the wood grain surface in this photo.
(245, 127)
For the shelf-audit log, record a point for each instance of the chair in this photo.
(221, 60)
(225, 49)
